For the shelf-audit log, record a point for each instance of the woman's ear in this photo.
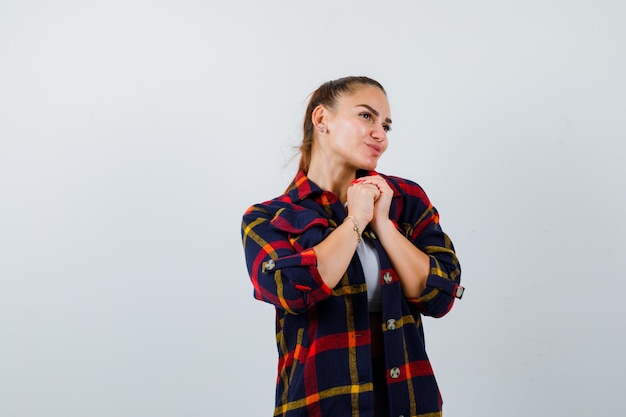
(319, 118)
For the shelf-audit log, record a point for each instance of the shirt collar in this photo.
(302, 187)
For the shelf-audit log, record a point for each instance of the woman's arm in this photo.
(411, 264)
(286, 273)
(421, 253)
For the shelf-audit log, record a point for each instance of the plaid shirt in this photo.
(322, 333)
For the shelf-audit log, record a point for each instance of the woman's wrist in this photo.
(355, 226)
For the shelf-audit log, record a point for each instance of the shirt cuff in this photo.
(311, 282)
(445, 285)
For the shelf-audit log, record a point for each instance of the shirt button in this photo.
(459, 292)
(391, 324)
(394, 373)
(269, 265)
(387, 277)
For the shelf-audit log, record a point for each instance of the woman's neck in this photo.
(334, 179)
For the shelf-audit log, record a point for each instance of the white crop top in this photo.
(371, 270)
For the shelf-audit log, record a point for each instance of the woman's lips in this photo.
(376, 149)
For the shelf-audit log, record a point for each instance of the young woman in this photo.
(351, 259)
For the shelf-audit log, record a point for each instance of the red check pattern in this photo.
(323, 334)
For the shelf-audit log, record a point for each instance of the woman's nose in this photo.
(378, 133)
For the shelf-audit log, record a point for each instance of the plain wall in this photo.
(133, 135)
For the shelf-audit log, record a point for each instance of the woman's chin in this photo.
(370, 165)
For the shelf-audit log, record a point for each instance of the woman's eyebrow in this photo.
(373, 110)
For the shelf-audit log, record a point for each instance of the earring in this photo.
(322, 128)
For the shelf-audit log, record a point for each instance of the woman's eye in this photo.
(386, 128)
(366, 116)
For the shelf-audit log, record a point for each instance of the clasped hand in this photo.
(369, 200)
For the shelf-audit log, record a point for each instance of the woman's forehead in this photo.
(367, 95)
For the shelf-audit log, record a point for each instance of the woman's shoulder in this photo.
(273, 205)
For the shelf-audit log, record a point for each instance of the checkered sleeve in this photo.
(283, 272)
(420, 221)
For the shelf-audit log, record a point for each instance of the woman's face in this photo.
(357, 128)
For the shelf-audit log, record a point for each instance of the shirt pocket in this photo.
(304, 228)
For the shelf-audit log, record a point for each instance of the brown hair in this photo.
(326, 95)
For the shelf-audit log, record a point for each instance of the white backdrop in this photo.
(133, 135)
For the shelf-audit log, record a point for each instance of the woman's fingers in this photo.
(367, 187)
(375, 180)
